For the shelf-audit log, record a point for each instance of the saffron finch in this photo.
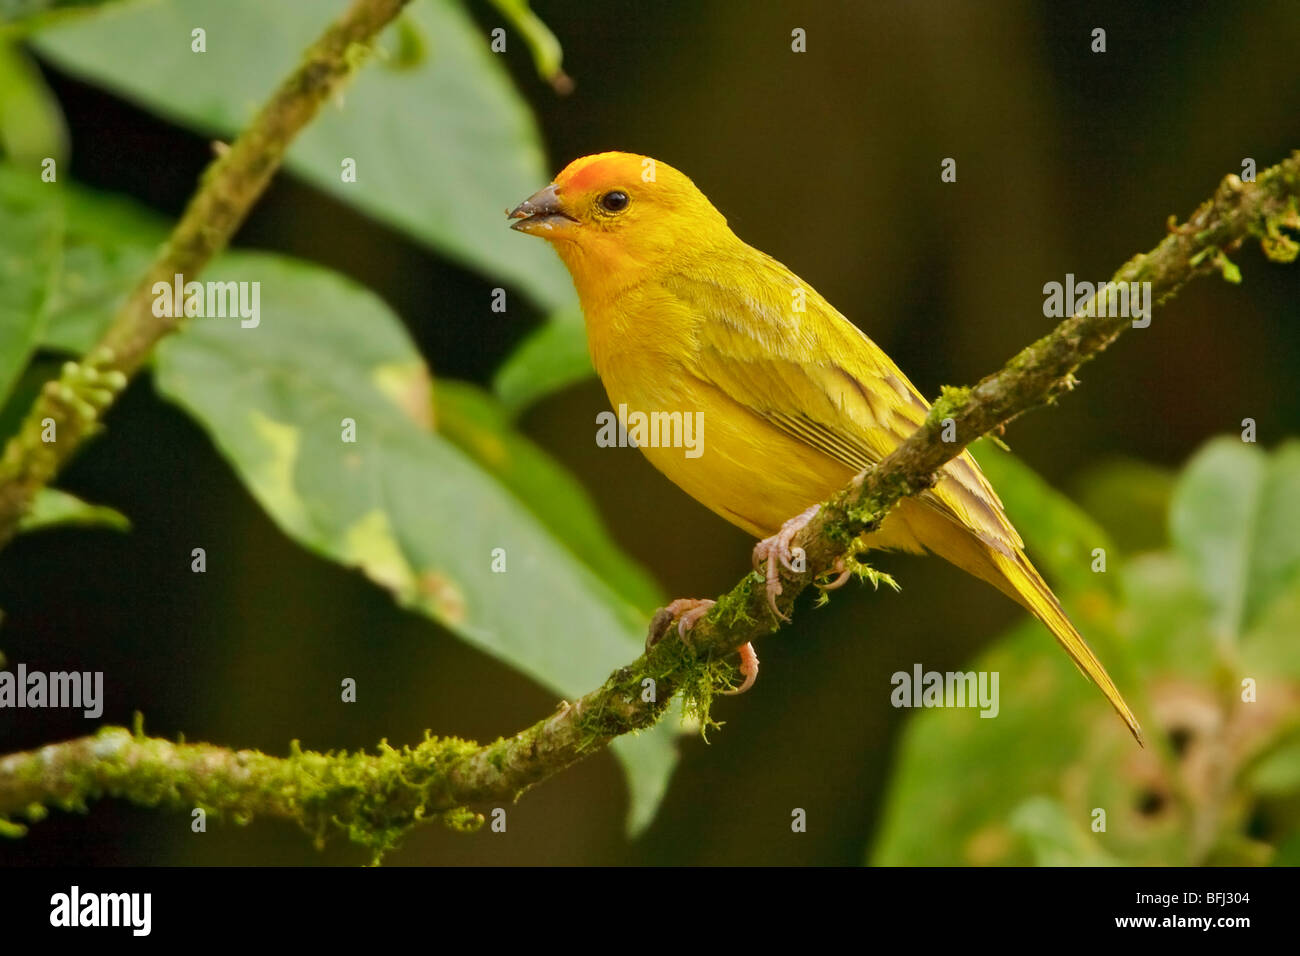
(682, 316)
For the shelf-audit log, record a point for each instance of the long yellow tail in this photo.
(917, 525)
(1023, 584)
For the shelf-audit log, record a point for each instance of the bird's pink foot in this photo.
(748, 670)
(775, 551)
(686, 611)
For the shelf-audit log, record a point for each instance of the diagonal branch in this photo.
(77, 401)
(375, 797)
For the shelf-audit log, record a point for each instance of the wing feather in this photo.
(816, 377)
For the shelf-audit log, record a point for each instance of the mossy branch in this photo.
(77, 401)
(375, 797)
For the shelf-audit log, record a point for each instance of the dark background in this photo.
(1067, 161)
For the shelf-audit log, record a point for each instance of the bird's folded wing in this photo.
(818, 378)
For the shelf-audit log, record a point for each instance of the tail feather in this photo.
(914, 525)
(1023, 584)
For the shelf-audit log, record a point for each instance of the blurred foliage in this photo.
(54, 508)
(31, 123)
(439, 475)
(30, 246)
(477, 423)
(439, 137)
(550, 359)
(420, 511)
(1190, 631)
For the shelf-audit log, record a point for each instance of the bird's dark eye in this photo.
(615, 201)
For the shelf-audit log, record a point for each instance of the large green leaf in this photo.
(1028, 785)
(30, 239)
(443, 143)
(1236, 518)
(107, 243)
(1130, 499)
(479, 425)
(959, 776)
(551, 358)
(400, 503)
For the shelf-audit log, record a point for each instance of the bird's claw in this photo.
(748, 670)
(775, 552)
(686, 611)
(844, 571)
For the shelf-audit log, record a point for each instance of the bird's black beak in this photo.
(542, 213)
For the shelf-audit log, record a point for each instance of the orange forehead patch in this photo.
(591, 172)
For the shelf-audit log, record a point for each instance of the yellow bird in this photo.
(792, 400)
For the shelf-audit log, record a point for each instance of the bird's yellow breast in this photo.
(742, 468)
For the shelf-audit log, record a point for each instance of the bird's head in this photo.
(618, 214)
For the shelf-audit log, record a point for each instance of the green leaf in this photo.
(958, 775)
(551, 358)
(107, 244)
(1059, 535)
(30, 235)
(478, 425)
(31, 122)
(54, 508)
(443, 143)
(1167, 618)
(1235, 517)
(1130, 499)
(401, 503)
(1278, 773)
(1025, 786)
(1055, 838)
(19, 15)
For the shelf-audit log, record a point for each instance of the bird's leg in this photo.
(688, 611)
(776, 552)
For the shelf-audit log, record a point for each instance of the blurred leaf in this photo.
(107, 244)
(443, 145)
(551, 358)
(31, 122)
(30, 235)
(1130, 499)
(1056, 755)
(1055, 839)
(479, 426)
(1279, 772)
(17, 15)
(1288, 854)
(403, 505)
(1166, 617)
(1270, 646)
(1235, 517)
(958, 775)
(1059, 535)
(54, 508)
